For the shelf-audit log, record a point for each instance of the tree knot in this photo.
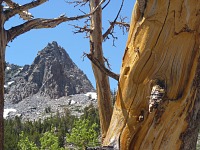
(156, 97)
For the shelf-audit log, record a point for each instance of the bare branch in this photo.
(112, 24)
(43, 23)
(33, 24)
(83, 29)
(82, 11)
(86, 15)
(102, 67)
(107, 63)
(78, 2)
(123, 25)
(21, 10)
(106, 4)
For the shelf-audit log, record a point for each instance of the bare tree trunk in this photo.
(2, 60)
(102, 82)
(162, 51)
(1, 98)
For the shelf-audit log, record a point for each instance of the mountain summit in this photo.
(52, 74)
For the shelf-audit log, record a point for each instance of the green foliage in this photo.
(83, 134)
(35, 130)
(86, 129)
(91, 113)
(10, 136)
(25, 144)
(38, 134)
(49, 141)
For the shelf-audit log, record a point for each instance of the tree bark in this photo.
(3, 43)
(102, 82)
(162, 50)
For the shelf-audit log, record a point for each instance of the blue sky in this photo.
(24, 48)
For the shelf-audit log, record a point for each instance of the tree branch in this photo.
(101, 67)
(106, 4)
(43, 23)
(78, 2)
(83, 29)
(33, 24)
(112, 24)
(21, 10)
(125, 24)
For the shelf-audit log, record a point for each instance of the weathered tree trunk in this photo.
(3, 43)
(162, 50)
(102, 82)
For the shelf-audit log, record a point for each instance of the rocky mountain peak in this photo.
(52, 74)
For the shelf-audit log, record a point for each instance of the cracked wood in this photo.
(166, 56)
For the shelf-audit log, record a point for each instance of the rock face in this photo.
(39, 107)
(52, 74)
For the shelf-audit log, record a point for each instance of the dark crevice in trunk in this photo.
(190, 136)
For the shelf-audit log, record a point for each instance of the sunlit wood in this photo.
(162, 49)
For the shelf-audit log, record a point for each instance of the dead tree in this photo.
(8, 9)
(158, 98)
(101, 73)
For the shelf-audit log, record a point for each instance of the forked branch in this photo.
(123, 25)
(83, 29)
(112, 24)
(102, 67)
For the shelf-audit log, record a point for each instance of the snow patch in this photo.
(8, 68)
(93, 95)
(11, 82)
(7, 111)
(73, 102)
